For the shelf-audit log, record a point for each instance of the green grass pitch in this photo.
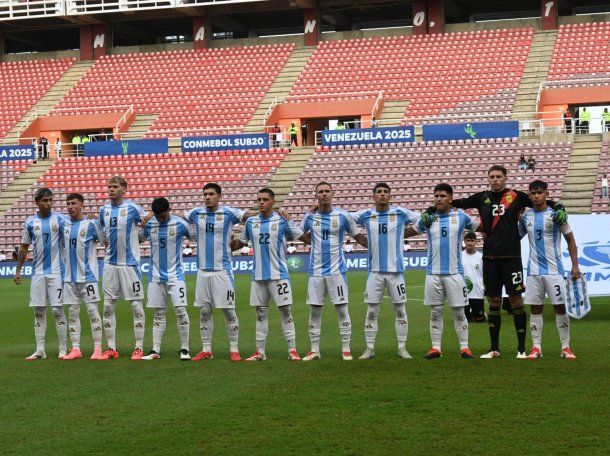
(382, 406)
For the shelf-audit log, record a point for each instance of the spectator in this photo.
(2, 255)
(522, 162)
(294, 134)
(531, 164)
(44, 147)
(348, 247)
(303, 133)
(605, 193)
(291, 248)
(58, 148)
(36, 151)
(374, 122)
(85, 139)
(406, 247)
(276, 135)
(103, 135)
(340, 126)
(567, 120)
(187, 251)
(585, 118)
(606, 119)
(76, 141)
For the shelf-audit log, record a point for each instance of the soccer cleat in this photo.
(521, 355)
(257, 356)
(433, 353)
(567, 353)
(235, 357)
(184, 355)
(36, 356)
(535, 353)
(347, 356)
(404, 354)
(62, 354)
(97, 354)
(202, 355)
(490, 354)
(75, 353)
(293, 355)
(109, 354)
(137, 354)
(369, 353)
(151, 355)
(466, 353)
(311, 356)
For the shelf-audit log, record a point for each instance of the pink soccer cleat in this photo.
(137, 354)
(293, 355)
(567, 353)
(97, 355)
(257, 356)
(203, 355)
(109, 354)
(235, 357)
(75, 353)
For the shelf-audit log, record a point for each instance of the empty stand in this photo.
(602, 204)
(10, 170)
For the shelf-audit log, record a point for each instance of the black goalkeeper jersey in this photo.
(500, 213)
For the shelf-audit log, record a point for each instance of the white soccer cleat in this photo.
(293, 355)
(521, 355)
(369, 353)
(347, 356)
(257, 356)
(151, 355)
(404, 354)
(184, 355)
(62, 354)
(36, 356)
(491, 354)
(311, 356)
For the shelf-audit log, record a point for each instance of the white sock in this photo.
(288, 327)
(62, 328)
(370, 324)
(206, 326)
(402, 324)
(262, 327)
(159, 324)
(563, 326)
(110, 322)
(536, 323)
(138, 323)
(40, 327)
(461, 326)
(436, 326)
(184, 325)
(232, 325)
(315, 327)
(74, 325)
(345, 326)
(96, 328)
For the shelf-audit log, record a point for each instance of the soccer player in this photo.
(166, 274)
(499, 209)
(385, 228)
(215, 289)
(269, 233)
(327, 228)
(445, 273)
(119, 220)
(545, 269)
(82, 275)
(44, 231)
(472, 260)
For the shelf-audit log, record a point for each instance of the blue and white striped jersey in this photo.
(545, 242)
(385, 232)
(445, 241)
(213, 231)
(81, 237)
(166, 248)
(327, 233)
(268, 236)
(120, 225)
(47, 238)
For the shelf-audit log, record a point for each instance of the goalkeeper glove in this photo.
(561, 216)
(428, 217)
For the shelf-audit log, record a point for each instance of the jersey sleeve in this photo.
(418, 226)
(244, 236)
(304, 225)
(187, 230)
(358, 216)
(352, 228)
(237, 215)
(565, 229)
(470, 224)
(409, 215)
(292, 230)
(190, 215)
(96, 231)
(524, 199)
(26, 238)
(523, 225)
(471, 202)
(101, 217)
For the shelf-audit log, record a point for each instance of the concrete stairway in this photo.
(52, 97)
(284, 178)
(582, 172)
(140, 125)
(392, 110)
(23, 183)
(283, 84)
(536, 71)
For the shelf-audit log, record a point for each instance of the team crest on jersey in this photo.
(172, 231)
(335, 224)
(82, 233)
(54, 228)
(274, 227)
(548, 225)
(219, 217)
(123, 212)
(509, 198)
(392, 217)
(453, 219)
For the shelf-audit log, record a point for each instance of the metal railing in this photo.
(123, 120)
(76, 7)
(14, 9)
(377, 102)
(27, 122)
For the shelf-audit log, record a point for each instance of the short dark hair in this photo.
(214, 186)
(381, 185)
(75, 196)
(538, 185)
(470, 235)
(41, 193)
(267, 190)
(500, 168)
(160, 205)
(444, 187)
(323, 183)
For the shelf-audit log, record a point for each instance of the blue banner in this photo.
(368, 136)
(474, 130)
(225, 142)
(25, 152)
(127, 147)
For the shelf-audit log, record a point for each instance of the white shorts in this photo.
(46, 288)
(261, 291)
(74, 293)
(157, 294)
(335, 286)
(122, 281)
(552, 285)
(377, 282)
(215, 288)
(445, 286)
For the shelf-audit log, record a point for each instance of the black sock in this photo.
(495, 322)
(520, 318)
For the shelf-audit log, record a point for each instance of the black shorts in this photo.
(503, 272)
